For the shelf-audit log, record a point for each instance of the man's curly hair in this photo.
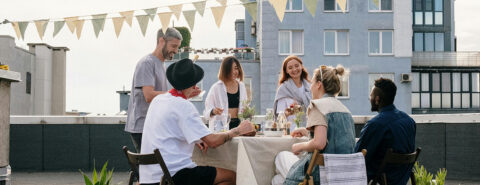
(388, 90)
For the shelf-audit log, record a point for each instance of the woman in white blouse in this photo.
(293, 88)
(225, 96)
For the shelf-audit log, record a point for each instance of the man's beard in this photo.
(165, 53)
(374, 106)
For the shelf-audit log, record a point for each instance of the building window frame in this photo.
(380, 7)
(28, 83)
(336, 43)
(424, 41)
(423, 11)
(337, 8)
(291, 42)
(380, 45)
(343, 80)
(288, 8)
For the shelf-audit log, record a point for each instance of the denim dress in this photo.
(340, 137)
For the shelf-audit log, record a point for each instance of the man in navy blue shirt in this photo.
(391, 128)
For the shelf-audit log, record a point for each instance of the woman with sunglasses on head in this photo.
(293, 89)
(225, 96)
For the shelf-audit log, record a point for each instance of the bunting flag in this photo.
(71, 23)
(98, 23)
(311, 6)
(128, 17)
(222, 2)
(251, 9)
(17, 29)
(41, 27)
(200, 7)
(143, 22)
(58, 25)
(117, 24)
(279, 6)
(165, 20)
(151, 13)
(22, 26)
(79, 27)
(190, 17)
(176, 9)
(218, 14)
(342, 4)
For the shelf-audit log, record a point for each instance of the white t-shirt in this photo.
(173, 125)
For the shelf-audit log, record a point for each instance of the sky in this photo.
(97, 67)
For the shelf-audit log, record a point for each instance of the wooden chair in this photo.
(317, 159)
(135, 159)
(396, 159)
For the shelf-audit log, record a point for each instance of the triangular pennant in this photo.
(117, 24)
(176, 9)
(151, 13)
(17, 29)
(222, 2)
(79, 27)
(190, 17)
(128, 17)
(165, 20)
(252, 10)
(41, 27)
(71, 23)
(218, 14)
(98, 22)
(279, 6)
(200, 7)
(22, 26)
(143, 22)
(58, 25)
(342, 4)
(311, 6)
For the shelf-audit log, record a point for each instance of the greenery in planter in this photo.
(422, 177)
(104, 177)
(186, 36)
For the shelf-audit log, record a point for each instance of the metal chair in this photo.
(396, 159)
(135, 159)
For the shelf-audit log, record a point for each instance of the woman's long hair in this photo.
(285, 76)
(226, 69)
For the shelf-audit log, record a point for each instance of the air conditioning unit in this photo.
(406, 78)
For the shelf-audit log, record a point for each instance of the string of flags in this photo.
(216, 50)
(75, 24)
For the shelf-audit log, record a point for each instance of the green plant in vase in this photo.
(104, 177)
(299, 118)
(423, 177)
(248, 111)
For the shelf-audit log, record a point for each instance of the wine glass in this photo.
(226, 121)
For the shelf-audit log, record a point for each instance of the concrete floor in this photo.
(118, 178)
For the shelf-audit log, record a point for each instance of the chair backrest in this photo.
(396, 159)
(135, 159)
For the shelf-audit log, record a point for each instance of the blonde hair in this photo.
(330, 78)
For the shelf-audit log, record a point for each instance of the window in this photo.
(333, 6)
(428, 12)
(428, 41)
(345, 88)
(379, 5)
(438, 12)
(336, 42)
(380, 42)
(199, 97)
(29, 83)
(248, 86)
(294, 6)
(290, 42)
(374, 76)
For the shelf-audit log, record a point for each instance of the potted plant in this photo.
(185, 44)
(423, 177)
(103, 178)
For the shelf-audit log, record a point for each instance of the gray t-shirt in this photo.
(150, 71)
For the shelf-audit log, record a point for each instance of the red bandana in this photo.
(177, 93)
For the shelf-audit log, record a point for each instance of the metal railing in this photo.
(454, 59)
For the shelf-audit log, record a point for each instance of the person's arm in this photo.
(370, 137)
(149, 93)
(319, 141)
(210, 102)
(215, 140)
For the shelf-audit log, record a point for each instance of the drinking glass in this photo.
(226, 121)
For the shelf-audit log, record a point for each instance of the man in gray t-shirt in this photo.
(149, 80)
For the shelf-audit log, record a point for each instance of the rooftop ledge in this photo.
(421, 119)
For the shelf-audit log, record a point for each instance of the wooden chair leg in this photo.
(130, 180)
(412, 178)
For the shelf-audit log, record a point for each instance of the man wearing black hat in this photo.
(173, 125)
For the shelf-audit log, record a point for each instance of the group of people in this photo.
(159, 118)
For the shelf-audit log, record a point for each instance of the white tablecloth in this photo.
(255, 156)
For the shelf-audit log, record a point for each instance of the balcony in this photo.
(446, 59)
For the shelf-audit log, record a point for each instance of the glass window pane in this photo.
(456, 82)
(465, 81)
(374, 40)
(344, 86)
(429, 42)
(438, 5)
(418, 5)
(248, 86)
(475, 82)
(284, 41)
(435, 81)
(456, 100)
(373, 4)
(342, 41)
(436, 100)
(415, 100)
(387, 42)
(428, 5)
(415, 82)
(425, 103)
(446, 86)
(428, 18)
(330, 42)
(439, 42)
(329, 5)
(386, 4)
(438, 18)
(297, 4)
(465, 100)
(288, 6)
(418, 18)
(418, 39)
(297, 41)
(446, 103)
(425, 82)
(476, 100)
